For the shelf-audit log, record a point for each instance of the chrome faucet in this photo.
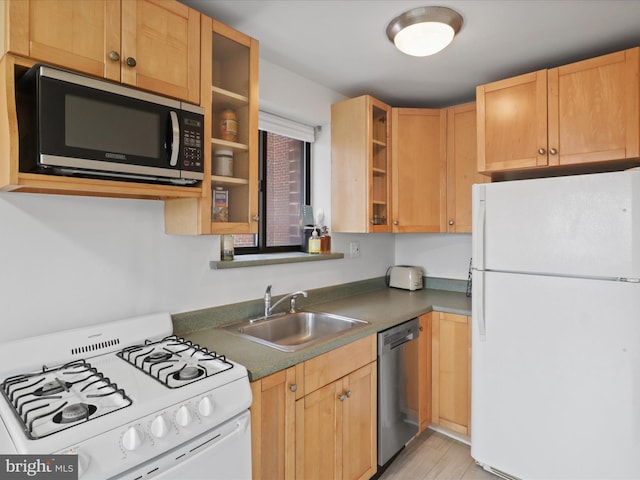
(268, 308)
(267, 301)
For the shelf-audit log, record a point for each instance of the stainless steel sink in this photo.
(293, 331)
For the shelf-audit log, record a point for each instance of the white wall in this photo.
(441, 255)
(69, 261)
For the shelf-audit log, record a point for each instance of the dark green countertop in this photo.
(381, 307)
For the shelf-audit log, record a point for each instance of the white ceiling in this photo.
(342, 44)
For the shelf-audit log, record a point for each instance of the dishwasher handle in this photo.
(402, 341)
(395, 337)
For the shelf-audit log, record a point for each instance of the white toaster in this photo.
(405, 277)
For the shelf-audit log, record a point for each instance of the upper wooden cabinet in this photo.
(419, 169)
(576, 114)
(425, 182)
(149, 44)
(230, 85)
(360, 166)
(161, 48)
(461, 167)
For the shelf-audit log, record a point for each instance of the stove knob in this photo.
(159, 427)
(132, 438)
(183, 416)
(205, 407)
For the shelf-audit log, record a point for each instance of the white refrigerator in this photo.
(556, 327)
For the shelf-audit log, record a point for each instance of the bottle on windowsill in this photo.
(325, 241)
(314, 242)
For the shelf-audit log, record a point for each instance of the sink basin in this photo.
(292, 331)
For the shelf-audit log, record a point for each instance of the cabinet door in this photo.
(78, 35)
(462, 167)
(161, 48)
(273, 426)
(419, 169)
(424, 371)
(512, 123)
(451, 336)
(594, 109)
(359, 453)
(319, 433)
(360, 166)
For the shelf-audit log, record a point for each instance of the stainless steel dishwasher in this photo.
(397, 388)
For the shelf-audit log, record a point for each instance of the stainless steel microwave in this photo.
(71, 124)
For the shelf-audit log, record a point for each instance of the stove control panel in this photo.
(131, 445)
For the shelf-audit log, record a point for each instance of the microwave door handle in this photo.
(175, 144)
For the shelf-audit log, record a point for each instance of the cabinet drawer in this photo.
(326, 368)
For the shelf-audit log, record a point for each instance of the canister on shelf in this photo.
(220, 205)
(223, 163)
(228, 125)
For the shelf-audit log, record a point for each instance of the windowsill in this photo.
(258, 260)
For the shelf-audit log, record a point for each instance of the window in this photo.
(284, 163)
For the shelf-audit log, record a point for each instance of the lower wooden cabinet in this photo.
(318, 419)
(424, 371)
(451, 372)
(273, 425)
(335, 427)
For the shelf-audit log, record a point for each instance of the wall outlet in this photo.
(354, 249)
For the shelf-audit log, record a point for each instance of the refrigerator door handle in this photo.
(479, 229)
(478, 304)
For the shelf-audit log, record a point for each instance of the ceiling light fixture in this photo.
(424, 31)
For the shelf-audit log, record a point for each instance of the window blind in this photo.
(285, 127)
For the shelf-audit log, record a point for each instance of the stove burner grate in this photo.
(174, 361)
(41, 397)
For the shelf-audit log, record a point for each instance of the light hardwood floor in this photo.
(433, 455)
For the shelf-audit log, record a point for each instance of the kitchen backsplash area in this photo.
(442, 255)
(69, 261)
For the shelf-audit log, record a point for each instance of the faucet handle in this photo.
(268, 291)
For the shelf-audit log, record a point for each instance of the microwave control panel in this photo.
(192, 133)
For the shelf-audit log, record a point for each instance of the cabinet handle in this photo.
(348, 394)
(131, 61)
(541, 151)
(395, 222)
(421, 329)
(341, 397)
(113, 55)
(256, 218)
(450, 222)
(293, 387)
(553, 151)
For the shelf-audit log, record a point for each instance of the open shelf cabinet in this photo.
(229, 83)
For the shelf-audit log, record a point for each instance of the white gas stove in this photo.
(131, 400)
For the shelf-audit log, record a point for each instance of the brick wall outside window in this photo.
(284, 177)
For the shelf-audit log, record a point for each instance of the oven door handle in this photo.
(175, 141)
